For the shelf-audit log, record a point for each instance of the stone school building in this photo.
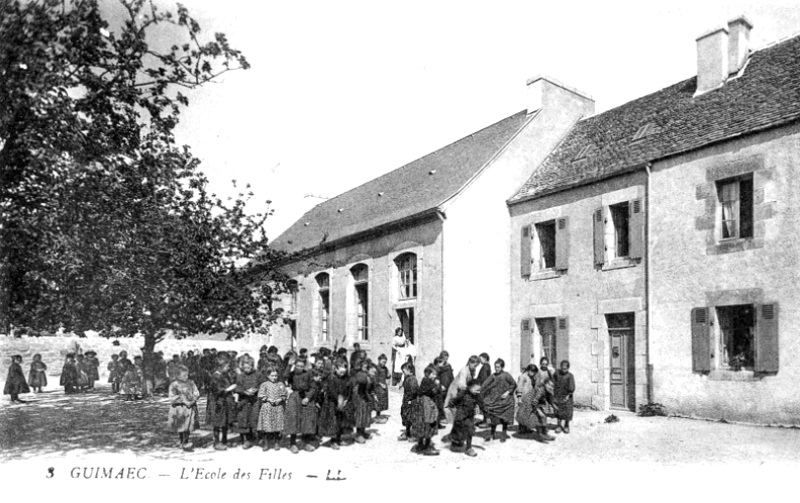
(650, 245)
(417, 246)
(655, 244)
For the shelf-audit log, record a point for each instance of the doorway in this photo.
(622, 360)
(406, 317)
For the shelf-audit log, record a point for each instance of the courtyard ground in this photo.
(54, 425)
(100, 430)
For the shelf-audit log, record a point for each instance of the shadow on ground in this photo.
(99, 421)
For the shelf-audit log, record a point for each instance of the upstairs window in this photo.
(735, 197)
(361, 292)
(324, 309)
(545, 247)
(619, 232)
(407, 275)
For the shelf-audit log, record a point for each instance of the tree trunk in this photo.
(147, 354)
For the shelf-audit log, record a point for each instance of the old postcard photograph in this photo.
(399, 250)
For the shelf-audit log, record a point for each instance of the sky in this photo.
(342, 92)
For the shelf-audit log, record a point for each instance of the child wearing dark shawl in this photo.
(362, 400)
(410, 391)
(92, 368)
(69, 375)
(425, 414)
(221, 407)
(337, 395)
(497, 393)
(247, 406)
(464, 404)
(563, 389)
(113, 373)
(37, 377)
(301, 409)
(381, 388)
(15, 381)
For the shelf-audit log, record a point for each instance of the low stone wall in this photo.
(54, 349)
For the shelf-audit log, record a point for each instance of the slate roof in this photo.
(765, 95)
(416, 189)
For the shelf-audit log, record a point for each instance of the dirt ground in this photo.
(53, 426)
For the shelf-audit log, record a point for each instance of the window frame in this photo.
(538, 251)
(617, 222)
(324, 300)
(407, 276)
(361, 303)
(739, 202)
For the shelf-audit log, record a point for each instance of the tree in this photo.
(105, 223)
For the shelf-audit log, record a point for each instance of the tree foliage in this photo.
(105, 222)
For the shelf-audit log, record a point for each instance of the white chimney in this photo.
(738, 43)
(546, 92)
(712, 60)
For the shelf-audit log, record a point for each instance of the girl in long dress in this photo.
(272, 394)
(183, 417)
(37, 377)
(563, 389)
(498, 399)
(425, 414)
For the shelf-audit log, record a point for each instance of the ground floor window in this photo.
(737, 325)
(362, 318)
(547, 331)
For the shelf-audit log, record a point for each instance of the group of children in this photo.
(298, 400)
(76, 376)
(80, 372)
(538, 394)
(323, 395)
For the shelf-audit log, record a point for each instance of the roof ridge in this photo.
(765, 95)
(348, 191)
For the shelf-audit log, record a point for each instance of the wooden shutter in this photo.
(525, 251)
(636, 229)
(767, 338)
(701, 340)
(599, 236)
(562, 243)
(562, 341)
(525, 343)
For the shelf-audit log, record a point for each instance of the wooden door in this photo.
(622, 362)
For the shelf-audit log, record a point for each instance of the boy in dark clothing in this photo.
(464, 425)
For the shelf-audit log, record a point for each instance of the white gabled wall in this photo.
(476, 240)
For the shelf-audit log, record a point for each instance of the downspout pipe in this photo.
(647, 287)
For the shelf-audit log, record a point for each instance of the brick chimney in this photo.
(712, 60)
(738, 43)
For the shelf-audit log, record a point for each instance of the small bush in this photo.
(612, 419)
(651, 409)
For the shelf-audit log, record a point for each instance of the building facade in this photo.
(424, 247)
(655, 247)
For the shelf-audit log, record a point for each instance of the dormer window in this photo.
(643, 131)
(583, 153)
